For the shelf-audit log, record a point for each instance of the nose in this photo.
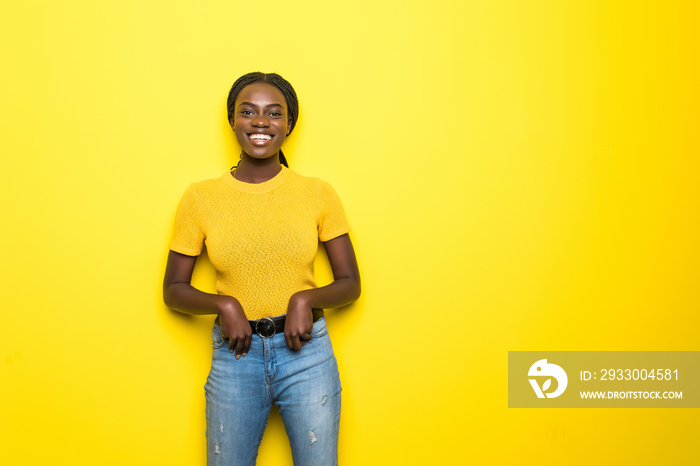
(261, 121)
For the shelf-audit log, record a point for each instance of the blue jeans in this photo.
(304, 384)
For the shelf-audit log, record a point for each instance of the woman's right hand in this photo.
(234, 325)
(180, 295)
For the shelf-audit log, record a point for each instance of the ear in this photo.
(231, 122)
(289, 125)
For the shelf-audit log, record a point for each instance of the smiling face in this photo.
(260, 120)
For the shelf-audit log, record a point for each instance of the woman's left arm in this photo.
(344, 289)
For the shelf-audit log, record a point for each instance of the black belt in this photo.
(269, 326)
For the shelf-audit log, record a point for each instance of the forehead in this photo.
(261, 94)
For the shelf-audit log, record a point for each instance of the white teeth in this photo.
(261, 137)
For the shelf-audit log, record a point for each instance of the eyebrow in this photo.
(251, 104)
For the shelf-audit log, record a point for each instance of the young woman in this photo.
(261, 223)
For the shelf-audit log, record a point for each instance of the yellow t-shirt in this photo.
(261, 238)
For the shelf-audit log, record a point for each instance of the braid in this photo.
(280, 83)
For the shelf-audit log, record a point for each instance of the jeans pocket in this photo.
(320, 328)
(217, 340)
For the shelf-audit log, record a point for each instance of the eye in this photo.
(246, 112)
(275, 114)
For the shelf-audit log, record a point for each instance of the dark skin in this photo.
(261, 109)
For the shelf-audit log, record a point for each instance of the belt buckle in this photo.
(265, 327)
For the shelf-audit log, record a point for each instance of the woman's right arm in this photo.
(180, 295)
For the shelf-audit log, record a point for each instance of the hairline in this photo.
(251, 104)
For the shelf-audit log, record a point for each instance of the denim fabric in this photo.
(304, 384)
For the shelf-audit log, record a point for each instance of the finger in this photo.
(288, 339)
(246, 346)
(240, 344)
(231, 345)
(296, 342)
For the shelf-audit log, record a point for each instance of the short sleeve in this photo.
(188, 232)
(332, 221)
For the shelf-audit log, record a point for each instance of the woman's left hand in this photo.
(299, 323)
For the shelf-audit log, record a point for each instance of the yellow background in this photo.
(518, 175)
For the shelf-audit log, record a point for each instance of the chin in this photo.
(261, 156)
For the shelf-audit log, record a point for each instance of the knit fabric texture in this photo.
(261, 238)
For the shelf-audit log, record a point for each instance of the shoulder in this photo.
(311, 183)
(201, 194)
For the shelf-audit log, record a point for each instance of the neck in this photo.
(251, 170)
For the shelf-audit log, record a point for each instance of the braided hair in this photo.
(276, 80)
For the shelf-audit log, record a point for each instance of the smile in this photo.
(260, 137)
